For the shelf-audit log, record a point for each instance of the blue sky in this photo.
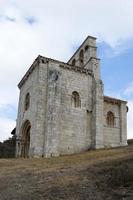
(54, 29)
(117, 70)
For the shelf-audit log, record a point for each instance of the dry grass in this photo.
(82, 176)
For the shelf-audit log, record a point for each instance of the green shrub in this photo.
(7, 148)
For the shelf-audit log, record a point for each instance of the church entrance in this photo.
(25, 140)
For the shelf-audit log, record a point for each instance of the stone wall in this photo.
(30, 86)
(113, 136)
(68, 129)
(56, 126)
(75, 123)
(36, 86)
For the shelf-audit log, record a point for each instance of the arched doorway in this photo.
(25, 140)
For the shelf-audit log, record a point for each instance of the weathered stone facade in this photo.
(62, 109)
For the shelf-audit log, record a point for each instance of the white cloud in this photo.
(6, 126)
(129, 90)
(59, 26)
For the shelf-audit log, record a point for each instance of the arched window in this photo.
(81, 57)
(27, 101)
(73, 62)
(76, 102)
(110, 119)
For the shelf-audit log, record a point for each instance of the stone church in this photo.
(62, 108)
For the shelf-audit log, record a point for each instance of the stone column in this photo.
(53, 113)
(123, 124)
(97, 115)
(39, 102)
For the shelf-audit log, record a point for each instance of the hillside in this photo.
(94, 175)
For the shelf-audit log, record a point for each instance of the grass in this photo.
(101, 174)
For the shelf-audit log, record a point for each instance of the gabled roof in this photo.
(113, 100)
(42, 59)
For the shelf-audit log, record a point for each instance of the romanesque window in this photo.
(81, 57)
(27, 101)
(73, 62)
(76, 102)
(110, 119)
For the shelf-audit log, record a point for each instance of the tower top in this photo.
(85, 51)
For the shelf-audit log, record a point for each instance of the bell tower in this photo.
(86, 57)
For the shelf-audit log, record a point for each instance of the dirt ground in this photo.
(94, 175)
